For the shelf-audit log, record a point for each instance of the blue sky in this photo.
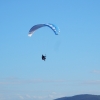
(73, 57)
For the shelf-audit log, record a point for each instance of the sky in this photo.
(73, 57)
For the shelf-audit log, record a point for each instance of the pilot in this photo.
(43, 57)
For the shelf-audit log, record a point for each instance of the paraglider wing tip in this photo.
(29, 34)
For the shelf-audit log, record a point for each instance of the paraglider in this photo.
(51, 26)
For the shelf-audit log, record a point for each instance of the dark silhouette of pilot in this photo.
(43, 57)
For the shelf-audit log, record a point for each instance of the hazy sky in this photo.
(73, 57)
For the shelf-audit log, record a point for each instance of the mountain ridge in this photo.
(81, 97)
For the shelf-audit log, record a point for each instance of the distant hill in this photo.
(81, 97)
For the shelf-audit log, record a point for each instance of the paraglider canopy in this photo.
(35, 27)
